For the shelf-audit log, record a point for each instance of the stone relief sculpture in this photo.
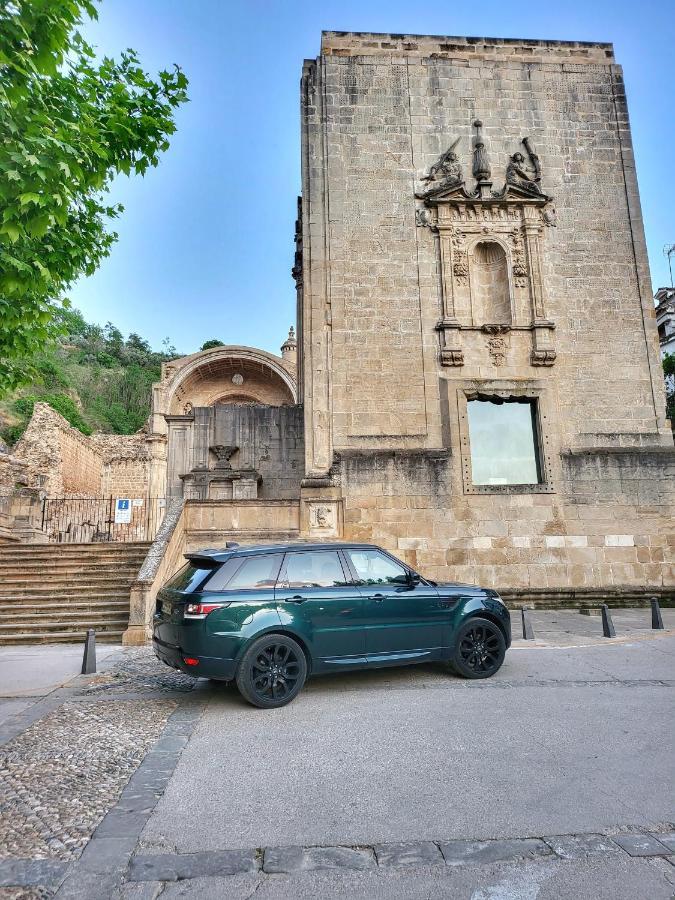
(444, 174)
(481, 163)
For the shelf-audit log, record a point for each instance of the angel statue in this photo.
(518, 175)
(446, 173)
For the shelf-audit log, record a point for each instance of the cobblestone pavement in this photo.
(138, 669)
(140, 782)
(60, 777)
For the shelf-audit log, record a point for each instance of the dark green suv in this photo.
(267, 616)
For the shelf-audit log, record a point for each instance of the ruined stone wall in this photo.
(126, 466)
(61, 460)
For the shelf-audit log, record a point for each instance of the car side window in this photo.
(313, 569)
(221, 576)
(373, 567)
(256, 573)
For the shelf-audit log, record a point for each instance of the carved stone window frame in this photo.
(544, 416)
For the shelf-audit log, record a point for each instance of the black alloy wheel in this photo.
(479, 649)
(272, 671)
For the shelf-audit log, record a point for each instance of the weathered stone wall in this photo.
(269, 440)
(61, 460)
(610, 526)
(380, 388)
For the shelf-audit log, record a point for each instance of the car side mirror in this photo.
(414, 579)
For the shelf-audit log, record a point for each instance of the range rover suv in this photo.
(268, 616)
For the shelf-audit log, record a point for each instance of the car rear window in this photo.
(189, 578)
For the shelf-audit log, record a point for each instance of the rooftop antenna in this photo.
(669, 251)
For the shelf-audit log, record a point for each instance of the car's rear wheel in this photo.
(272, 671)
(479, 649)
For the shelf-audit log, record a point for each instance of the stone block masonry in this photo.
(401, 330)
(61, 461)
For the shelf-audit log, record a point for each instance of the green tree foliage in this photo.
(207, 345)
(669, 372)
(62, 403)
(94, 377)
(68, 125)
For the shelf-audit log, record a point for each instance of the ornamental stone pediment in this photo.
(491, 255)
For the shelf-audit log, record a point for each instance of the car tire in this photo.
(479, 649)
(272, 671)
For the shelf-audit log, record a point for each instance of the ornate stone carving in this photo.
(481, 163)
(323, 520)
(187, 409)
(452, 357)
(497, 347)
(496, 329)
(519, 267)
(237, 378)
(424, 218)
(444, 174)
(550, 216)
(460, 264)
(224, 454)
(543, 357)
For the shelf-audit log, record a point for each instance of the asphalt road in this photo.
(561, 741)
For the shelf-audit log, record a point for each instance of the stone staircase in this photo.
(53, 593)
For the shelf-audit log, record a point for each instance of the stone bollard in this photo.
(89, 658)
(657, 618)
(608, 629)
(528, 631)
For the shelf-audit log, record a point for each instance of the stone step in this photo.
(45, 627)
(68, 547)
(11, 611)
(64, 598)
(116, 610)
(60, 637)
(17, 559)
(60, 551)
(121, 573)
(23, 573)
(75, 587)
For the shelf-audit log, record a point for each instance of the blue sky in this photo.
(206, 240)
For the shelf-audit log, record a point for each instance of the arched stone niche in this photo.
(490, 283)
(227, 375)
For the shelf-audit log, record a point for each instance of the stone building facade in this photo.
(470, 220)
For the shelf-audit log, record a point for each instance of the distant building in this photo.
(665, 319)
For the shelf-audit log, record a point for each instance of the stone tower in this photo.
(470, 223)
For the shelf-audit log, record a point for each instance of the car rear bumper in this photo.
(206, 667)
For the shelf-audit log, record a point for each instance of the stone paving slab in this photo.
(579, 846)
(668, 840)
(305, 859)
(465, 853)
(420, 853)
(25, 872)
(641, 844)
(176, 867)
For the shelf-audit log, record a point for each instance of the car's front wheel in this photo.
(479, 649)
(272, 671)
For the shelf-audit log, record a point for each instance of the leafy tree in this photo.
(136, 342)
(68, 126)
(669, 372)
(208, 345)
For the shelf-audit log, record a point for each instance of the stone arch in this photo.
(490, 282)
(231, 374)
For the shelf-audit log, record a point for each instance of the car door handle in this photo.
(378, 598)
(296, 599)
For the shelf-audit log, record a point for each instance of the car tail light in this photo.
(190, 661)
(201, 610)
